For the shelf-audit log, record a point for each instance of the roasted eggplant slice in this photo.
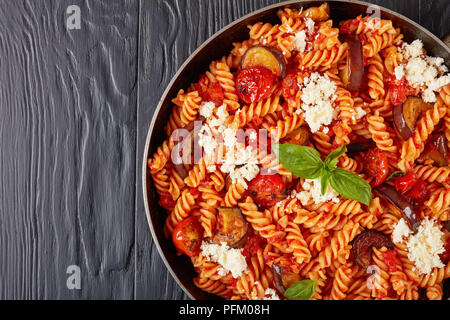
(353, 73)
(265, 56)
(363, 243)
(283, 279)
(436, 150)
(299, 137)
(406, 115)
(357, 147)
(404, 206)
(231, 227)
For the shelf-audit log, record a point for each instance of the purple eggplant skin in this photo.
(404, 206)
(277, 278)
(363, 243)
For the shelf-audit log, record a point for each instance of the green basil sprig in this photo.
(301, 290)
(305, 162)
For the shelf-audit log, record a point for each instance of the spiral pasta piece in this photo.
(375, 77)
(181, 211)
(432, 174)
(323, 59)
(341, 282)
(297, 243)
(378, 129)
(412, 148)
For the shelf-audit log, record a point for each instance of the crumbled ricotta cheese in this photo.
(360, 112)
(230, 259)
(239, 161)
(312, 190)
(318, 95)
(309, 25)
(401, 230)
(271, 294)
(399, 72)
(413, 50)
(300, 41)
(241, 164)
(206, 109)
(211, 168)
(425, 247)
(422, 71)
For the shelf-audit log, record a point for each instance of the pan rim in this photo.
(150, 132)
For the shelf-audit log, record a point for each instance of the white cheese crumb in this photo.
(413, 50)
(425, 247)
(271, 294)
(399, 72)
(325, 130)
(206, 109)
(300, 41)
(317, 97)
(230, 259)
(312, 190)
(310, 25)
(360, 112)
(211, 168)
(422, 71)
(401, 230)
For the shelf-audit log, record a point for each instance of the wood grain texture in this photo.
(165, 43)
(75, 107)
(68, 114)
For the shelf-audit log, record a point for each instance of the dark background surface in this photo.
(75, 107)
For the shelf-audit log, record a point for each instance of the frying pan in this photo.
(213, 49)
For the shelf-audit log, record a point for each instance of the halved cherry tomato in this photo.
(376, 165)
(210, 92)
(411, 187)
(405, 183)
(187, 236)
(166, 201)
(267, 189)
(254, 84)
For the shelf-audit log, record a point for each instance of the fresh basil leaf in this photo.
(332, 159)
(324, 180)
(396, 174)
(351, 186)
(302, 161)
(301, 290)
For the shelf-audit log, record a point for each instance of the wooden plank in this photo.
(434, 15)
(67, 166)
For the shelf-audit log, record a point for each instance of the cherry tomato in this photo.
(411, 188)
(166, 201)
(267, 189)
(405, 183)
(419, 192)
(254, 84)
(376, 165)
(187, 236)
(390, 259)
(210, 92)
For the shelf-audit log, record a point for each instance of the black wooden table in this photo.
(75, 106)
